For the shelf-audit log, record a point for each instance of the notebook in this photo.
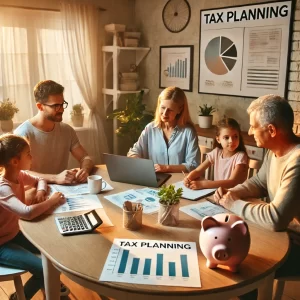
(138, 171)
(193, 194)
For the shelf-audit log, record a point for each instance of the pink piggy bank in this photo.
(224, 240)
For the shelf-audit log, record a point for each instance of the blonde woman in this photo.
(170, 140)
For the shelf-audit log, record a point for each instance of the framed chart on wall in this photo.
(176, 67)
(245, 50)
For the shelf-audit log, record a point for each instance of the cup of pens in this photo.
(132, 215)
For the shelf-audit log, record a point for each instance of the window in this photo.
(31, 50)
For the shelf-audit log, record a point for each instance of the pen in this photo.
(188, 181)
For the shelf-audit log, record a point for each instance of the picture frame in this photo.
(176, 67)
(245, 50)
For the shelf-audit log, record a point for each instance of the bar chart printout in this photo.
(152, 262)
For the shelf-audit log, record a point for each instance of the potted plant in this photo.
(169, 198)
(205, 116)
(77, 115)
(133, 118)
(7, 112)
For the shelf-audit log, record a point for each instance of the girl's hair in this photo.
(233, 124)
(177, 96)
(11, 146)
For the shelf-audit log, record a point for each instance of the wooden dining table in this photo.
(82, 257)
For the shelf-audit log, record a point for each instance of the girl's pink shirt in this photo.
(223, 167)
(12, 203)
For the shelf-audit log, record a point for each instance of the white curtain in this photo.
(31, 50)
(80, 30)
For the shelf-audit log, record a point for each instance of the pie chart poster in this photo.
(244, 50)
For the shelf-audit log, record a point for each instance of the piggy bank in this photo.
(224, 240)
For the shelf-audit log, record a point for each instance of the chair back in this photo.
(209, 173)
(254, 166)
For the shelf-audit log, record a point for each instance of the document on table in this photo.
(78, 203)
(146, 196)
(152, 262)
(203, 209)
(192, 194)
(72, 190)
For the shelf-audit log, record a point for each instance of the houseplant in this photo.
(77, 115)
(7, 112)
(133, 118)
(205, 116)
(169, 199)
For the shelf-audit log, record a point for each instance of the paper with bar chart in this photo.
(203, 209)
(79, 203)
(152, 262)
(176, 67)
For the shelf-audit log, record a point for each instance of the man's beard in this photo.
(55, 118)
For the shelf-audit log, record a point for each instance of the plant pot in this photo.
(77, 120)
(205, 121)
(168, 215)
(7, 125)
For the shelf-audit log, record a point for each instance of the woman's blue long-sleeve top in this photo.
(182, 147)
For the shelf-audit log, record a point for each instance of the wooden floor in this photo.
(291, 292)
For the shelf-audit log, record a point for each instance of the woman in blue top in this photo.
(171, 139)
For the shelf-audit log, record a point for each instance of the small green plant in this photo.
(77, 109)
(168, 195)
(133, 118)
(7, 110)
(206, 110)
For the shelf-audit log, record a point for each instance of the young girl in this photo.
(15, 250)
(229, 158)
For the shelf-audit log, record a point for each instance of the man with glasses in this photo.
(51, 140)
(271, 124)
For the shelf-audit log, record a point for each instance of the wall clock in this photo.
(176, 15)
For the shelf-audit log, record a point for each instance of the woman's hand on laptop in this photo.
(133, 155)
(160, 168)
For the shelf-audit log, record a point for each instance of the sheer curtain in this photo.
(31, 49)
(80, 30)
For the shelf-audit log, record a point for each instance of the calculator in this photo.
(78, 224)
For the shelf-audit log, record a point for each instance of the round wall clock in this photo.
(176, 15)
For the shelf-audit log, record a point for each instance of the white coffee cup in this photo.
(95, 184)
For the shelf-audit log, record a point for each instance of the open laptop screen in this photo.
(138, 171)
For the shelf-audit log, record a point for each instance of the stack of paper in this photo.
(192, 194)
(146, 196)
(77, 196)
(203, 209)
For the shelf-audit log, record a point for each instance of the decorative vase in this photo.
(168, 214)
(7, 125)
(205, 121)
(77, 120)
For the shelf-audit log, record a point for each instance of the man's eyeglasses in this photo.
(57, 107)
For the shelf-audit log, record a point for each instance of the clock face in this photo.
(176, 15)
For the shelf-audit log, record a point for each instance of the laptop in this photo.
(138, 171)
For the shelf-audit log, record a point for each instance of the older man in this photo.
(51, 140)
(271, 123)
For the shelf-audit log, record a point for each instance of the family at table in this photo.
(43, 143)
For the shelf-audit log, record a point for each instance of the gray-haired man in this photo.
(271, 124)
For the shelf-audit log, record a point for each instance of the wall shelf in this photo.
(140, 54)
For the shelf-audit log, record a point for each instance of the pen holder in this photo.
(132, 216)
